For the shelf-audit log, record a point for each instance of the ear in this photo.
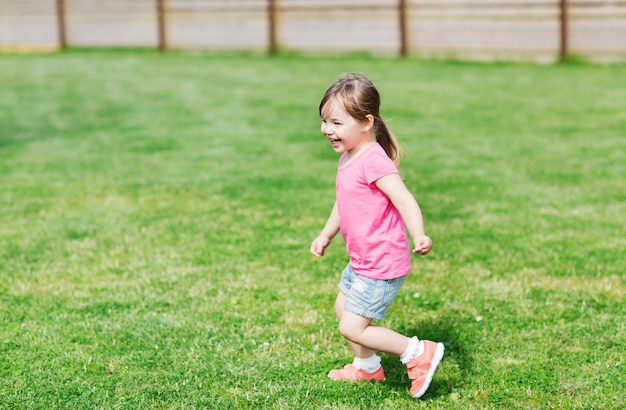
(368, 123)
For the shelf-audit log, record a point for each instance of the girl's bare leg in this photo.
(364, 338)
(359, 351)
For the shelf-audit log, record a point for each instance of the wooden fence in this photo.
(536, 29)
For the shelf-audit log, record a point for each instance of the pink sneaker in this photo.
(422, 368)
(349, 372)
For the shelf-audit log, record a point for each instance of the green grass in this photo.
(156, 213)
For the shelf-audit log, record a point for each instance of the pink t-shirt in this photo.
(371, 225)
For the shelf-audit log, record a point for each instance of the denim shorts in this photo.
(367, 297)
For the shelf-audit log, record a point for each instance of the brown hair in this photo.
(360, 99)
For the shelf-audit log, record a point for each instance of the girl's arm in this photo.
(393, 186)
(331, 229)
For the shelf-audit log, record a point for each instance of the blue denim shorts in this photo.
(367, 297)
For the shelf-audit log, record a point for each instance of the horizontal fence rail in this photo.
(485, 29)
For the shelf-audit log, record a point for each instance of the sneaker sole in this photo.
(346, 380)
(363, 380)
(431, 371)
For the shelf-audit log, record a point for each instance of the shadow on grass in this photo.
(456, 361)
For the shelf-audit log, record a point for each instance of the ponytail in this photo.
(387, 140)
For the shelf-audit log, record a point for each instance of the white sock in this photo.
(370, 365)
(414, 349)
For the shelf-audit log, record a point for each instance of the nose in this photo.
(326, 129)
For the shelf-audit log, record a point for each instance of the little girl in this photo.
(372, 208)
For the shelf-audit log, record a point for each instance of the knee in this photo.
(338, 311)
(348, 331)
(338, 314)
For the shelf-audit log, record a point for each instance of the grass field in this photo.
(156, 213)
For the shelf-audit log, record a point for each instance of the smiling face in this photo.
(344, 132)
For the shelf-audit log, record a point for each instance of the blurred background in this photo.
(535, 30)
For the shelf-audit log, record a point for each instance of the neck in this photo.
(356, 151)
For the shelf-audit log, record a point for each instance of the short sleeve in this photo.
(378, 165)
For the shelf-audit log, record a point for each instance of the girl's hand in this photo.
(318, 247)
(423, 245)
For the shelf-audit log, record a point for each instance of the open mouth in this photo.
(334, 140)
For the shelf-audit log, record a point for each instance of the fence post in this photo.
(402, 25)
(162, 27)
(564, 31)
(272, 21)
(61, 23)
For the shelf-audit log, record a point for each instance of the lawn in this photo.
(156, 212)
